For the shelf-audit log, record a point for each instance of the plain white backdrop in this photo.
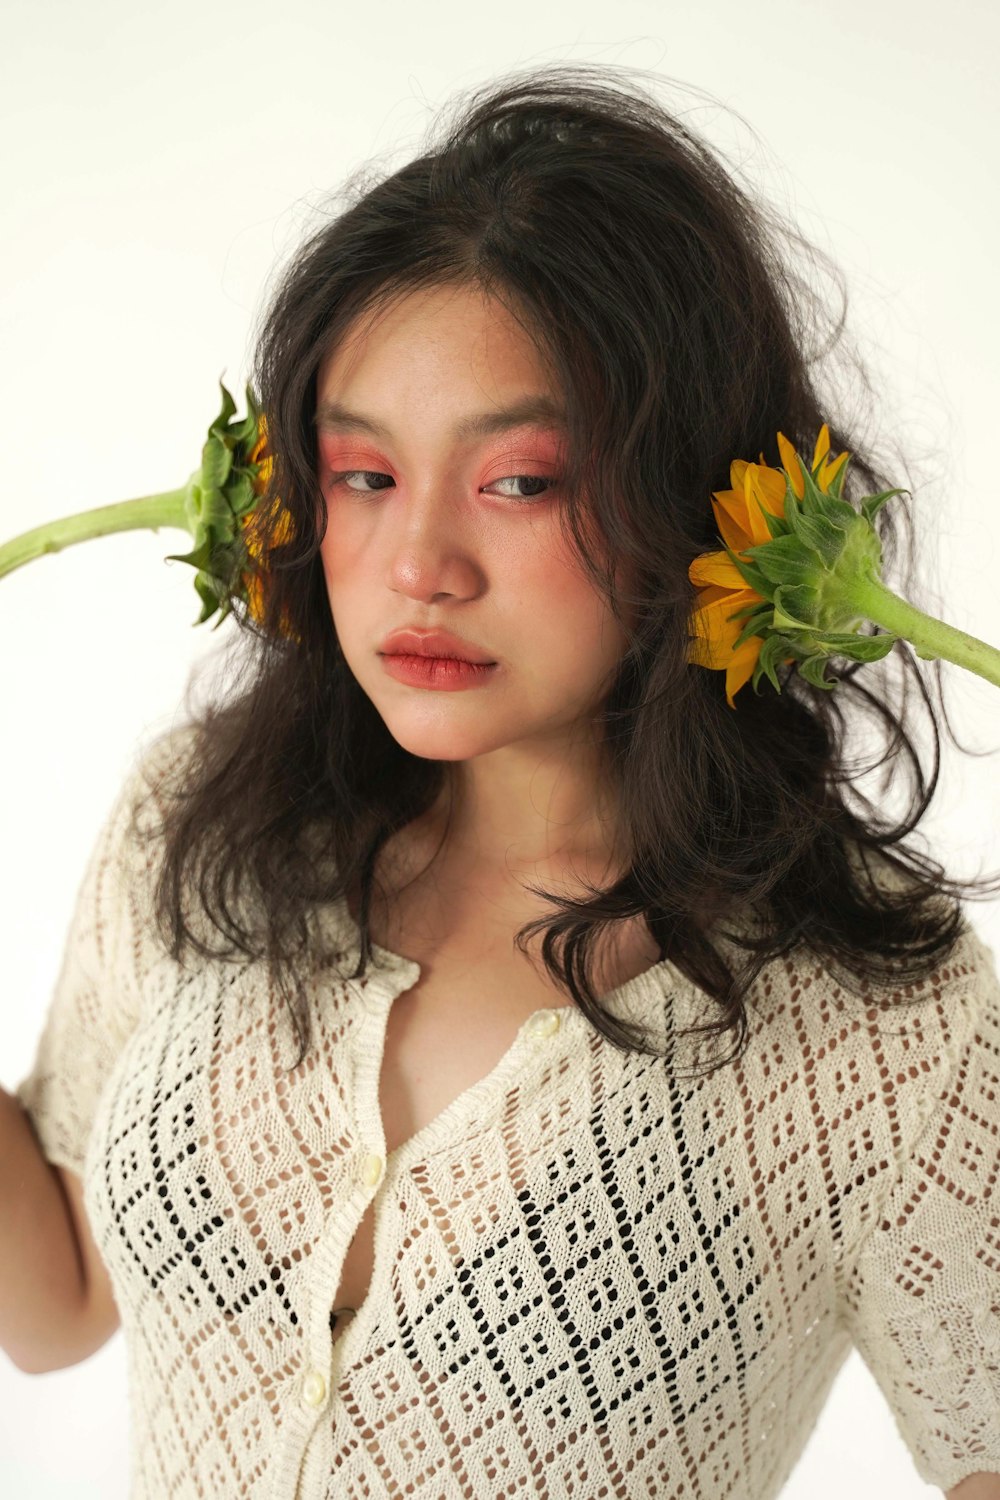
(160, 164)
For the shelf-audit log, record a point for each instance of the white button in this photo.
(544, 1023)
(314, 1389)
(371, 1170)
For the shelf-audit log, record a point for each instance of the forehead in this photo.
(453, 339)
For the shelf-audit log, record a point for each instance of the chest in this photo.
(454, 1025)
(475, 990)
(442, 1036)
(447, 1032)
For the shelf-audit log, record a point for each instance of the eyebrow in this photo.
(533, 411)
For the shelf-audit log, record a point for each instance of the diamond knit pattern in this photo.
(593, 1275)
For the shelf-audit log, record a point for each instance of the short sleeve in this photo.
(921, 1296)
(96, 1003)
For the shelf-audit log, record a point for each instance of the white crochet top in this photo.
(592, 1276)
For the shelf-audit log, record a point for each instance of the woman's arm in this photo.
(47, 1318)
(976, 1487)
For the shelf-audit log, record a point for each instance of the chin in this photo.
(436, 733)
(441, 743)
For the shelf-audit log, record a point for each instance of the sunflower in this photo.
(742, 514)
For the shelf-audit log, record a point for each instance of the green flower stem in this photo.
(930, 638)
(150, 512)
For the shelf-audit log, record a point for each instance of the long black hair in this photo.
(664, 298)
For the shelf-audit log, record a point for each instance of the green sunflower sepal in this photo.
(218, 496)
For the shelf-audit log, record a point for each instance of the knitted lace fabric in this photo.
(592, 1276)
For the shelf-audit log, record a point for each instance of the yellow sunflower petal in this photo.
(790, 462)
(764, 487)
(251, 538)
(708, 593)
(258, 453)
(285, 529)
(261, 442)
(730, 515)
(822, 446)
(713, 633)
(829, 471)
(716, 567)
(255, 595)
(741, 665)
(736, 471)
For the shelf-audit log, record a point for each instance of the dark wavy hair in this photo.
(664, 299)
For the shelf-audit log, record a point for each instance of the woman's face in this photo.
(430, 528)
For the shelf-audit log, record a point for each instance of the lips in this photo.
(439, 643)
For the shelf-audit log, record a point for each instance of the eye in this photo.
(343, 478)
(530, 479)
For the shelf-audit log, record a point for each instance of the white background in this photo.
(160, 162)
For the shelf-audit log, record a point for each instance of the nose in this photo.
(432, 555)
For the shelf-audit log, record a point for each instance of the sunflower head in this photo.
(778, 591)
(223, 499)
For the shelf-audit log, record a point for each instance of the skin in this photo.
(454, 541)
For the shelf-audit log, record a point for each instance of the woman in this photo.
(506, 1222)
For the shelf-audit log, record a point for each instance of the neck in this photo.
(525, 813)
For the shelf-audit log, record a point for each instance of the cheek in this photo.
(565, 613)
(339, 552)
(572, 601)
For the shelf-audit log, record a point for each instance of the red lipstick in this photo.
(435, 659)
(437, 643)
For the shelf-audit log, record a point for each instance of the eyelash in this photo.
(338, 479)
